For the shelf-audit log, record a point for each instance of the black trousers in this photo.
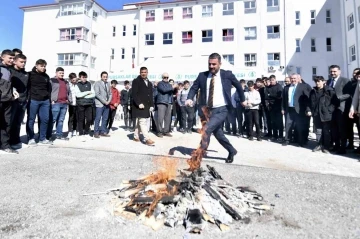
(112, 113)
(262, 120)
(277, 123)
(187, 117)
(350, 128)
(73, 119)
(5, 124)
(231, 120)
(268, 122)
(323, 132)
(126, 116)
(241, 119)
(178, 117)
(85, 118)
(296, 122)
(18, 110)
(252, 118)
(339, 128)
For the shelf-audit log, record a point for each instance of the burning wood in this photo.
(175, 197)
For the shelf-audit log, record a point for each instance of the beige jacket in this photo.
(356, 99)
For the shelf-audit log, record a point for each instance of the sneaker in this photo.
(167, 135)
(74, 133)
(45, 142)
(10, 151)
(325, 151)
(32, 142)
(16, 146)
(317, 148)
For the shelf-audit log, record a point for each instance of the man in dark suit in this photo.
(215, 93)
(342, 87)
(294, 103)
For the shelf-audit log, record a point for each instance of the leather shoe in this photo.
(230, 158)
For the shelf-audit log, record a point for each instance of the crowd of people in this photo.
(279, 114)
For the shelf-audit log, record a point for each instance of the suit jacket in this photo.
(343, 93)
(141, 94)
(228, 80)
(101, 94)
(301, 98)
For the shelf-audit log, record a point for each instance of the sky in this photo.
(12, 19)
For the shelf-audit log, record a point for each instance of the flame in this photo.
(196, 156)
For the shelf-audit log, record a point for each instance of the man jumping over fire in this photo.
(215, 98)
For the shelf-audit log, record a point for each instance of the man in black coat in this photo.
(273, 102)
(340, 118)
(142, 103)
(215, 93)
(294, 104)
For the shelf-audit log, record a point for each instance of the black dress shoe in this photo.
(317, 148)
(341, 152)
(230, 158)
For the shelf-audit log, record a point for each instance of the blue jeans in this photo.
(57, 115)
(102, 113)
(42, 109)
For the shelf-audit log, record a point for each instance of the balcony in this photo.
(228, 38)
(249, 10)
(170, 17)
(186, 40)
(150, 19)
(273, 35)
(187, 15)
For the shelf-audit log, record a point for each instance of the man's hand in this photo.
(308, 113)
(351, 114)
(141, 106)
(283, 112)
(244, 103)
(129, 107)
(16, 95)
(52, 102)
(116, 104)
(189, 103)
(151, 109)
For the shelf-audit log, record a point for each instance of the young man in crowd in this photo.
(103, 97)
(72, 122)
(187, 111)
(40, 96)
(115, 102)
(6, 100)
(262, 116)
(60, 98)
(252, 101)
(125, 103)
(355, 119)
(85, 96)
(17, 51)
(19, 81)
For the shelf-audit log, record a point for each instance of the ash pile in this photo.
(175, 198)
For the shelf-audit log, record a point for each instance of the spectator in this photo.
(115, 102)
(125, 103)
(252, 101)
(72, 123)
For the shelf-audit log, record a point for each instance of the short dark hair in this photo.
(126, 82)
(265, 78)
(143, 68)
(7, 52)
(103, 73)
(41, 62)
(272, 77)
(72, 75)
(242, 81)
(171, 80)
(114, 82)
(334, 66)
(357, 73)
(59, 69)
(180, 84)
(215, 56)
(20, 56)
(319, 78)
(186, 82)
(17, 50)
(82, 73)
(356, 69)
(250, 83)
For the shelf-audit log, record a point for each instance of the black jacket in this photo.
(301, 98)
(141, 94)
(273, 97)
(321, 103)
(6, 93)
(343, 94)
(40, 87)
(20, 81)
(125, 97)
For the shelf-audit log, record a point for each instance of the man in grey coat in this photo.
(102, 101)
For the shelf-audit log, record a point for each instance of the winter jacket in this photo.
(6, 93)
(19, 82)
(142, 93)
(85, 94)
(322, 103)
(40, 86)
(115, 98)
(164, 93)
(55, 87)
(273, 97)
(124, 97)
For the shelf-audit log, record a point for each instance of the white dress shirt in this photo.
(219, 99)
(335, 81)
(292, 88)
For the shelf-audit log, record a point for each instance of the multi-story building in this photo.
(277, 37)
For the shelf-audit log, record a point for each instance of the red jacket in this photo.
(115, 98)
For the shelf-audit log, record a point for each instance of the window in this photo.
(93, 38)
(112, 53)
(250, 33)
(94, 15)
(187, 12)
(273, 59)
(273, 32)
(74, 9)
(250, 7)
(312, 16)
(133, 53)
(73, 34)
(328, 16)
(168, 14)
(134, 30)
(352, 53)
(298, 45)
(250, 60)
(187, 37)
(297, 18)
(124, 30)
(229, 58)
(114, 31)
(298, 70)
(72, 59)
(149, 39)
(351, 21)
(92, 63)
(273, 6)
(150, 16)
(122, 53)
(167, 38)
(207, 36)
(314, 71)
(207, 11)
(313, 45)
(228, 34)
(228, 8)
(328, 44)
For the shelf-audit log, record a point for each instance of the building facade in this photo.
(269, 36)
